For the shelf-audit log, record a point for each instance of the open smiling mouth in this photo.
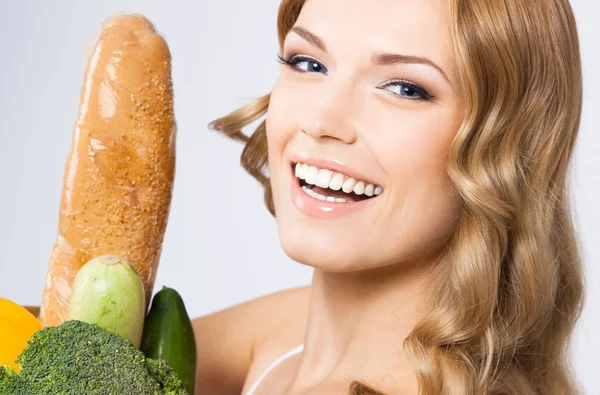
(331, 186)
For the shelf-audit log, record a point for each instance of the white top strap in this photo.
(279, 360)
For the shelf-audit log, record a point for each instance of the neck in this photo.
(358, 321)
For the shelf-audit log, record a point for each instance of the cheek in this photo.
(281, 121)
(415, 160)
(280, 129)
(274, 150)
(414, 154)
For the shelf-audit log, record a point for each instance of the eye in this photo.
(303, 64)
(407, 89)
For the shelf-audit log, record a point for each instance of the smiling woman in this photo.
(418, 155)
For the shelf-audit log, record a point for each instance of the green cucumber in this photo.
(169, 336)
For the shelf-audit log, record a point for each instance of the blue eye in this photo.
(408, 90)
(303, 65)
(311, 66)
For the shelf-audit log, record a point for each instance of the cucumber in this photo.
(168, 335)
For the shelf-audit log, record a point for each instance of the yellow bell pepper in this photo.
(17, 326)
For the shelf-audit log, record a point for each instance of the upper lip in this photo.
(331, 164)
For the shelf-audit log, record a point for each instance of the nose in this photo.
(332, 117)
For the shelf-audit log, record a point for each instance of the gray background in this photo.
(221, 246)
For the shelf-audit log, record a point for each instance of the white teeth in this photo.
(309, 191)
(359, 188)
(318, 196)
(311, 175)
(303, 171)
(348, 185)
(336, 182)
(324, 178)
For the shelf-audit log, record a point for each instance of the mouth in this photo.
(331, 186)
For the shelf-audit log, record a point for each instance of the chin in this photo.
(328, 248)
(311, 250)
(325, 250)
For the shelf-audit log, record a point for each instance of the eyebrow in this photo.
(386, 59)
(380, 59)
(310, 37)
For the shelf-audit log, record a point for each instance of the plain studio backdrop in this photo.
(221, 245)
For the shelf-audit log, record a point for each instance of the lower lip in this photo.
(320, 208)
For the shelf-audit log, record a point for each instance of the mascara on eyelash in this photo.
(290, 60)
(282, 60)
(288, 63)
(293, 61)
(426, 95)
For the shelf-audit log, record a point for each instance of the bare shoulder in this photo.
(285, 332)
(235, 342)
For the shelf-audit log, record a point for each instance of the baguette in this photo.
(120, 170)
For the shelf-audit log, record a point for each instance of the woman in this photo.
(417, 154)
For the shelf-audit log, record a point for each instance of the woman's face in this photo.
(359, 127)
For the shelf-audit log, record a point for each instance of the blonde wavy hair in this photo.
(509, 290)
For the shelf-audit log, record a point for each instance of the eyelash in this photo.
(293, 61)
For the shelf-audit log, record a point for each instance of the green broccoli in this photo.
(77, 358)
(5, 373)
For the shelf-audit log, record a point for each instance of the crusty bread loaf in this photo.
(120, 170)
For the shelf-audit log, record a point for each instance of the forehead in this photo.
(410, 27)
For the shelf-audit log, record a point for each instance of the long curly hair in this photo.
(508, 292)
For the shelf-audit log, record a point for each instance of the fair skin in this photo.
(338, 100)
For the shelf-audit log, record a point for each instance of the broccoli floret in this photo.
(77, 358)
(5, 373)
(166, 376)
